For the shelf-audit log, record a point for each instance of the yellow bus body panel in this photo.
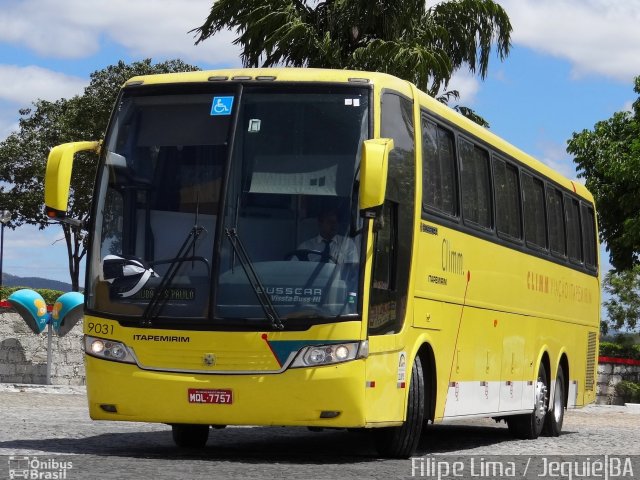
(296, 396)
(492, 313)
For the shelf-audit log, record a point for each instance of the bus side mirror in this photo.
(373, 174)
(58, 176)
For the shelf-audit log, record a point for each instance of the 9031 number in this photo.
(100, 328)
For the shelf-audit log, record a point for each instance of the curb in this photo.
(49, 389)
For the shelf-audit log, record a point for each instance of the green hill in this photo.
(9, 280)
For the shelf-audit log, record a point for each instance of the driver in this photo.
(329, 245)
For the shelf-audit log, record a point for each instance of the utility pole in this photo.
(5, 216)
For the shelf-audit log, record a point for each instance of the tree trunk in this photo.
(76, 250)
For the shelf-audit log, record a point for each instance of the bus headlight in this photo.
(107, 349)
(329, 354)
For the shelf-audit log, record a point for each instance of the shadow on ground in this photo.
(265, 444)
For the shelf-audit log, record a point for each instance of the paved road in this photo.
(48, 425)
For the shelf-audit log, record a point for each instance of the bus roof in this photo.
(273, 74)
(380, 80)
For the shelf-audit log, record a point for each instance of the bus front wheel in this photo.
(530, 426)
(402, 442)
(190, 436)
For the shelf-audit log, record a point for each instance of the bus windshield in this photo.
(186, 229)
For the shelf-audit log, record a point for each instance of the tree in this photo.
(608, 158)
(404, 38)
(23, 154)
(623, 305)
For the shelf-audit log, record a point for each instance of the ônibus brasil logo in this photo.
(38, 469)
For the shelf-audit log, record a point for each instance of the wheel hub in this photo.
(541, 401)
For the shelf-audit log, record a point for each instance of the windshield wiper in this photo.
(155, 305)
(254, 280)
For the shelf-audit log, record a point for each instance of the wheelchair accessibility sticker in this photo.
(221, 105)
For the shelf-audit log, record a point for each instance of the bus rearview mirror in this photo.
(58, 176)
(373, 174)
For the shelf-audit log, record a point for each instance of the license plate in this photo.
(197, 395)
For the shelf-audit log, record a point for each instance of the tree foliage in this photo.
(623, 305)
(401, 37)
(608, 158)
(23, 154)
(48, 295)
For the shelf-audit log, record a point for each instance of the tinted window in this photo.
(393, 246)
(572, 217)
(534, 216)
(589, 235)
(385, 244)
(474, 182)
(556, 222)
(505, 181)
(439, 177)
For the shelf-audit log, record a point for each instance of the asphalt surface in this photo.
(52, 425)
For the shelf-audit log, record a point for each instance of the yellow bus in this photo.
(329, 249)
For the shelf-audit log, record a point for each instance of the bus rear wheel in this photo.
(530, 426)
(555, 415)
(190, 436)
(402, 442)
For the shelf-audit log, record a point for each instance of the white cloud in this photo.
(8, 122)
(596, 36)
(467, 84)
(75, 28)
(48, 31)
(19, 86)
(555, 155)
(29, 251)
(23, 85)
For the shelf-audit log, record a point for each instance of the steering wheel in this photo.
(303, 255)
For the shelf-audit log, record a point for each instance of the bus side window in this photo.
(535, 222)
(439, 176)
(557, 237)
(589, 236)
(507, 191)
(475, 185)
(572, 218)
(388, 305)
(385, 246)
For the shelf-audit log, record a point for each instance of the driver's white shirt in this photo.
(341, 248)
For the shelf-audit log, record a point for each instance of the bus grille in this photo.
(591, 361)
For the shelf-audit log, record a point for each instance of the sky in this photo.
(572, 63)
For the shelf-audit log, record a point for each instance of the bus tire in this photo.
(555, 415)
(190, 436)
(402, 441)
(529, 426)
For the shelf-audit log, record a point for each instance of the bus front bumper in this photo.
(328, 396)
